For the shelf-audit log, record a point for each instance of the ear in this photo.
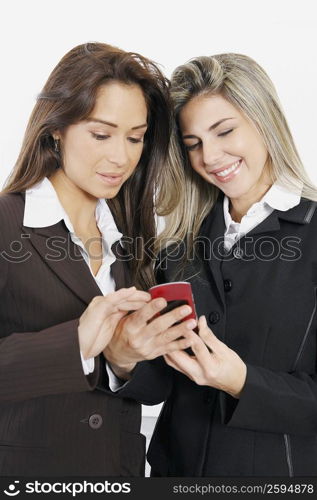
(56, 135)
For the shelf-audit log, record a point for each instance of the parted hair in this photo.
(68, 97)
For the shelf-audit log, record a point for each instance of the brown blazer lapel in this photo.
(55, 247)
(119, 268)
(57, 250)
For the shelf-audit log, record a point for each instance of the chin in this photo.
(237, 191)
(109, 193)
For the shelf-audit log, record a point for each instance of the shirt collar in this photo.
(276, 198)
(280, 198)
(43, 208)
(106, 223)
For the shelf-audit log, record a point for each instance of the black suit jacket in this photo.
(261, 301)
(54, 420)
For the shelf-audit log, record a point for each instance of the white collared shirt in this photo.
(43, 208)
(276, 198)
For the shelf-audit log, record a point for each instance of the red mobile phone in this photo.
(176, 294)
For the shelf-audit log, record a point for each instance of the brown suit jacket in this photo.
(54, 420)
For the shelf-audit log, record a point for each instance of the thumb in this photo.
(206, 334)
(202, 325)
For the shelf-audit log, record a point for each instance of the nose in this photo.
(117, 153)
(211, 153)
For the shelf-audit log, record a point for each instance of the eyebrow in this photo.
(215, 125)
(98, 120)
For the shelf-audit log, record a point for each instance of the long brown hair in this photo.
(68, 97)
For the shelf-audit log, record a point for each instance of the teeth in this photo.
(226, 172)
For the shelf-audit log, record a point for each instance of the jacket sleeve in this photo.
(42, 363)
(150, 384)
(39, 363)
(274, 402)
(151, 381)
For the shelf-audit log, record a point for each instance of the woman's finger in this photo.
(127, 293)
(177, 345)
(168, 319)
(183, 361)
(130, 305)
(176, 332)
(169, 361)
(207, 335)
(138, 321)
(199, 346)
(126, 299)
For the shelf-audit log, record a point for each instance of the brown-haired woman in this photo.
(99, 130)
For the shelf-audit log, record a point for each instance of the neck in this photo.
(79, 205)
(239, 206)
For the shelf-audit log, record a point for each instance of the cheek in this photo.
(77, 151)
(257, 159)
(135, 156)
(264, 154)
(256, 149)
(238, 146)
(194, 160)
(79, 163)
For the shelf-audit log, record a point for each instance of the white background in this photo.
(279, 34)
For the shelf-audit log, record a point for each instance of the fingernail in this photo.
(160, 304)
(191, 324)
(185, 310)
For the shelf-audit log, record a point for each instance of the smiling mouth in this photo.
(227, 172)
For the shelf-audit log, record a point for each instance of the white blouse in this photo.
(276, 198)
(43, 208)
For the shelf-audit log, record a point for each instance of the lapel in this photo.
(212, 232)
(119, 268)
(60, 254)
(268, 225)
(300, 214)
(63, 257)
(213, 229)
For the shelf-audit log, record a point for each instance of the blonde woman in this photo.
(246, 403)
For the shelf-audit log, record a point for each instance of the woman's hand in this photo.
(214, 363)
(139, 337)
(98, 322)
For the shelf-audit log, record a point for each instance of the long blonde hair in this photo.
(241, 81)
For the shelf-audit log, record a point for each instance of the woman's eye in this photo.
(99, 137)
(192, 147)
(134, 140)
(225, 133)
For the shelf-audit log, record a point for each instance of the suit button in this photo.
(95, 421)
(214, 317)
(238, 253)
(227, 285)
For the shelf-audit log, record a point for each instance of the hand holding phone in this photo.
(176, 294)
